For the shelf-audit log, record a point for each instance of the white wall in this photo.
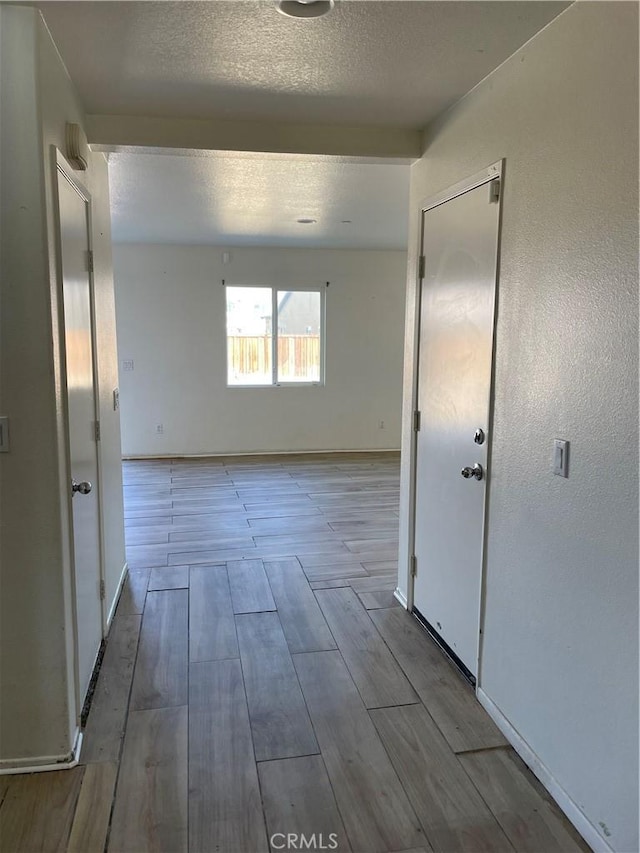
(171, 322)
(560, 649)
(37, 703)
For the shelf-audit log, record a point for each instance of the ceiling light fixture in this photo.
(304, 8)
(306, 221)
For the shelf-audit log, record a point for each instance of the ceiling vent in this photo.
(304, 8)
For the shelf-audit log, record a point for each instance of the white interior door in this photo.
(454, 385)
(76, 287)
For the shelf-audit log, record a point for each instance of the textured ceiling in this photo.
(390, 64)
(233, 200)
(377, 63)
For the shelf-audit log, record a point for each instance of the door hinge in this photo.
(414, 565)
(103, 590)
(494, 191)
(416, 421)
(90, 260)
(421, 266)
(96, 430)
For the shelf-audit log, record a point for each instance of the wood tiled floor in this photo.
(259, 679)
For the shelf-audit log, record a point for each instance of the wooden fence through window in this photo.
(298, 356)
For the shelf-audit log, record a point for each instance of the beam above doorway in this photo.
(112, 132)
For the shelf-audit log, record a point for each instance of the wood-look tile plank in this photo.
(332, 571)
(302, 621)
(194, 558)
(223, 528)
(199, 540)
(326, 550)
(160, 677)
(376, 674)
(382, 567)
(279, 720)
(150, 535)
(448, 698)
(316, 561)
(362, 526)
(271, 511)
(298, 799)
(303, 538)
(169, 577)
(37, 811)
(134, 592)
(530, 820)
(250, 590)
(108, 714)
(295, 524)
(377, 583)
(225, 811)
(212, 628)
(206, 518)
(91, 819)
(413, 850)
(256, 508)
(378, 600)
(376, 812)
(452, 813)
(373, 550)
(131, 522)
(150, 809)
(146, 556)
(185, 509)
(329, 583)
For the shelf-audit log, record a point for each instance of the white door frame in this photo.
(484, 176)
(62, 167)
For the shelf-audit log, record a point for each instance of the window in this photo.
(274, 337)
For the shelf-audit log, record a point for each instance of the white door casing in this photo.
(455, 359)
(82, 423)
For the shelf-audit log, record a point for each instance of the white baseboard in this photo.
(116, 597)
(399, 595)
(143, 456)
(577, 817)
(44, 763)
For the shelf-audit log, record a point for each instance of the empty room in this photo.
(319, 426)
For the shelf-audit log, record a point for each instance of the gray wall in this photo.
(559, 656)
(37, 699)
(172, 323)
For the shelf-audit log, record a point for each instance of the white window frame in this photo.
(322, 290)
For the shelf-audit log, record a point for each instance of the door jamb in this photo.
(62, 167)
(484, 176)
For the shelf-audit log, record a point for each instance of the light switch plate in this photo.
(561, 457)
(4, 434)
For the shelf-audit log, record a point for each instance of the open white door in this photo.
(82, 422)
(460, 238)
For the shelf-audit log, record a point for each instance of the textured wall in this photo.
(172, 322)
(37, 696)
(560, 650)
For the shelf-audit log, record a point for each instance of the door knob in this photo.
(84, 487)
(477, 471)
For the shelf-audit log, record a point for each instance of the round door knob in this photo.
(476, 472)
(84, 487)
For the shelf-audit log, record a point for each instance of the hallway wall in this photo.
(37, 699)
(172, 324)
(559, 657)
